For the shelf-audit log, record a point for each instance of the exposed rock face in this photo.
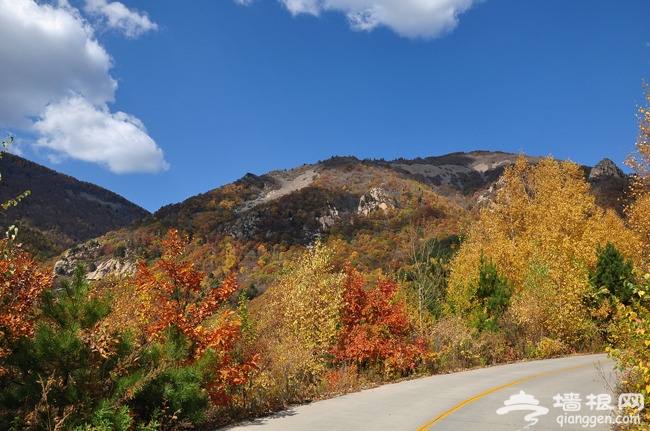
(245, 227)
(281, 184)
(486, 196)
(329, 218)
(90, 254)
(464, 171)
(376, 198)
(79, 254)
(604, 169)
(116, 267)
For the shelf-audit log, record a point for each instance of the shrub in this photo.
(63, 374)
(631, 344)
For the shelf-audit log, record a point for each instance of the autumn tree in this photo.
(21, 286)
(22, 283)
(630, 329)
(297, 324)
(630, 333)
(375, 330)
(62, 373)
(638, 210)
(191, 336)
(542, 229)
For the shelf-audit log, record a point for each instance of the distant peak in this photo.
(604, 169)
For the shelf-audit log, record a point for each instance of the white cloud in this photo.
(304, 6)
(410, 18)
(49, 53)
(46, 52)
(76, 128)
(118, 16)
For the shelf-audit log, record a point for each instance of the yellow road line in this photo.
(444, 414)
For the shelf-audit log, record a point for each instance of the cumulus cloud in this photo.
(76, 128)
(46, 52)
(410, 18)
(118, 16)
(52, 69)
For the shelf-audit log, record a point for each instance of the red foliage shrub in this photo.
(21, 285)
(179, 300)
(375, 328)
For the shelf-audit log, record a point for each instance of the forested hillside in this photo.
(60, 211)
(372, 211)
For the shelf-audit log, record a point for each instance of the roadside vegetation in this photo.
(198, 338)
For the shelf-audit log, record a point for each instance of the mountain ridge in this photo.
(359, 204)
(61, 211)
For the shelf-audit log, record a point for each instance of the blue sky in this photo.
(162, 100)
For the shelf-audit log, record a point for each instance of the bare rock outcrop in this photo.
(244, 227)
(376, 198)
(79, 254)
(97, 266)
(281, 184)
(114, 266)
(606, 168)
(330, 217)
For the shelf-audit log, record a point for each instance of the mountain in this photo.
(371, 212)
(609, 184)
(296, 206)
(60, 211)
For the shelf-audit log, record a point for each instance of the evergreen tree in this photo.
(62, 375)
(493, 293)
(612, 273)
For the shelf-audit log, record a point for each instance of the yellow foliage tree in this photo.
(297, 323)
(631, 348)
(541, 229)
(638, 211)
(631, 332)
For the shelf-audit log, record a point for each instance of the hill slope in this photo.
(61, 210)
(365, 208)
(371, 211)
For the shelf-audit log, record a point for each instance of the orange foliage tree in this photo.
(375, 329)
(21, 285)
(175, 299)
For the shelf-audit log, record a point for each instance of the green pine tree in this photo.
(63, 374)
(612, 275)
(493, 293)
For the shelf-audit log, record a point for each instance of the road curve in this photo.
(467, 400)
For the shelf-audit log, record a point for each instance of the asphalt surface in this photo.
(468, 400)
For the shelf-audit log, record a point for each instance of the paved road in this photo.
(461, 401)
